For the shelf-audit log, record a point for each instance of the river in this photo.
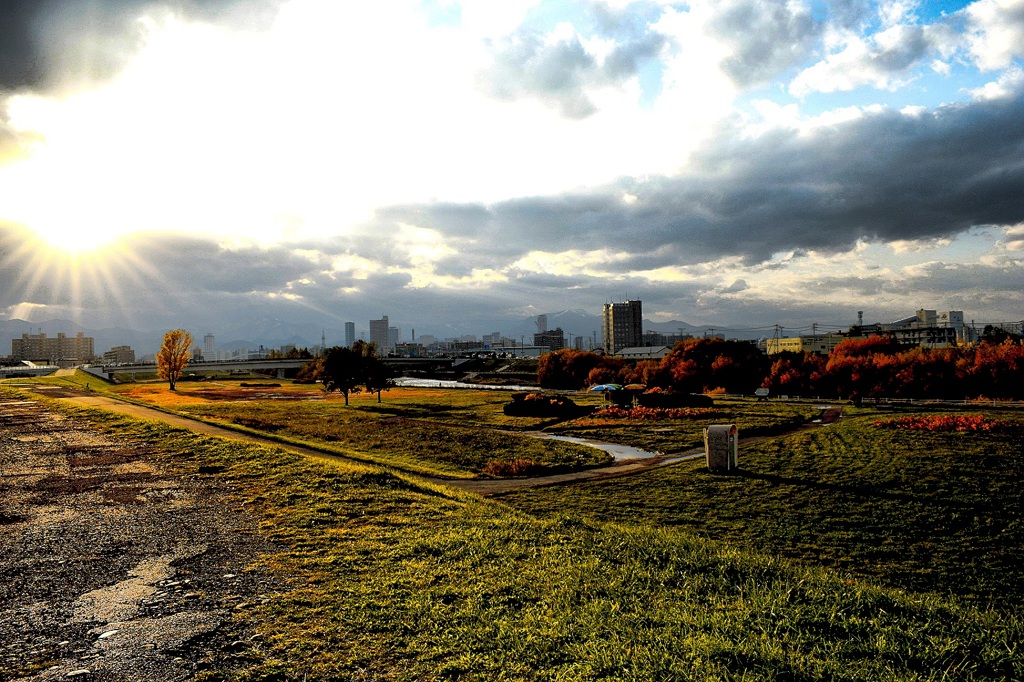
(448, 383)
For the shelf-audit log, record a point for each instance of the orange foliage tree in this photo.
(877, 367)
(701, 365)
(801, 374)
(567, 368)
(173, 357)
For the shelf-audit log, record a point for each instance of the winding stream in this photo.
(619, 453)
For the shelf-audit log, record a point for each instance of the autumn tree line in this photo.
(858, 368)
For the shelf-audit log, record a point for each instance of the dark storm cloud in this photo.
(42, 41)
(203, 267)
(768, 38)
(464, 220)
(884, 177)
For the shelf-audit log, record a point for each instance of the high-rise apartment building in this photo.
(622, 326)
(119, 355)
(209, 347)
(553, 339)
(63, 350)
(350, 334)
(379, 332)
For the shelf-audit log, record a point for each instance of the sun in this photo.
(57, 270)
(76, 243)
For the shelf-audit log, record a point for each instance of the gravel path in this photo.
(117, 565)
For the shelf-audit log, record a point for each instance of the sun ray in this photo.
(46, 279)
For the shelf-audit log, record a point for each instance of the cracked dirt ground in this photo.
(114, 564)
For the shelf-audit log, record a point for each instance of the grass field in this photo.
(847, 553)
(909, 509)
(670, 435)
(450, 432)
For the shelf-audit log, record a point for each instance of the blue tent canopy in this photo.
(606, 387)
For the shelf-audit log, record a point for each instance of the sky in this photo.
(744, 163)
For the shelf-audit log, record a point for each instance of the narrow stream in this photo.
(619, 453)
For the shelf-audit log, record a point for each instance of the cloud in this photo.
(477, 163)
(886, 176)
(850, 14)
(995, 33)
(736, 287)
(556, 72)
(1009, 82)
(883, 61)
(44, 43)
(766, 37)
(563, 67)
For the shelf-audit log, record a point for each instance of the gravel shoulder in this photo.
(115, 564)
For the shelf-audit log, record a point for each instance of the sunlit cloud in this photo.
(326, 160)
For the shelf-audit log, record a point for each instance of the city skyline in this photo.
(731, 164)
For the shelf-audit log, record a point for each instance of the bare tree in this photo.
(174, 355)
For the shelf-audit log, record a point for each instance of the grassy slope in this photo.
(393, 579)
(432, 447)
(445, 439)
(910, 509)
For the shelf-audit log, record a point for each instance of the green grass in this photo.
(675, 435)
(394, 579)
(909, 509)
(80, 380)
(427, 446)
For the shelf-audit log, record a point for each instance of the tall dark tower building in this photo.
(379, 333)
(622, 326)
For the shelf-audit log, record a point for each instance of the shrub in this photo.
(541, 405)
(511, 468)
(658, 397)
(653, 413)
(946, 423)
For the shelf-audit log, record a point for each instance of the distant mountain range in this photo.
(272, 333)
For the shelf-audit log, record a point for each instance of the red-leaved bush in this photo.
(654, 413)
(511, 468)
(957, 422)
